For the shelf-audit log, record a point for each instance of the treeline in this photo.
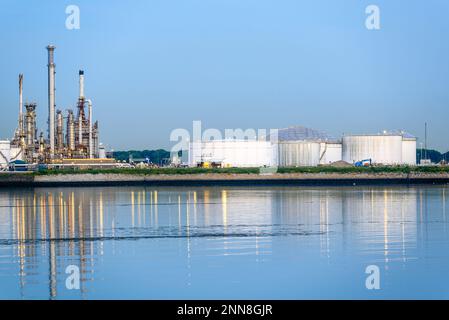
(433, 155)
(162, 156)
(158, 157)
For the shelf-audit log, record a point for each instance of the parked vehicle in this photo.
(18, 165)
(363, 163)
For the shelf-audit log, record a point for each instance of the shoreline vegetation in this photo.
(252, 171)
(160, 156)
(250, 177)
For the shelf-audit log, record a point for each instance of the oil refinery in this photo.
(70, 138)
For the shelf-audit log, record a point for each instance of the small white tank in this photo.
(101, 152)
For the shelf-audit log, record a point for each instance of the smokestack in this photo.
(81, 74)
(21, 129)
(51, 98)
(20, 104)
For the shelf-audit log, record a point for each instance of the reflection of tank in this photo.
(388, 213)
(300, 206)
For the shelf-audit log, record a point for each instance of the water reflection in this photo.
(42, 231)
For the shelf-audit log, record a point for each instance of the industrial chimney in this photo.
(20, 102)
(21, 134)
(81, 74)
(51, 98)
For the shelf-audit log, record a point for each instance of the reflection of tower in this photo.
(49, 215)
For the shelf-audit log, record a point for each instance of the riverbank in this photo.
(224, 179)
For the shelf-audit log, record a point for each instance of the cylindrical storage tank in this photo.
(409, 151)
(16, 154)
(330, 152)
(300, 146)
(101, 152)
(381, 149)
(5, 153)
(298, 153)
(232, 153)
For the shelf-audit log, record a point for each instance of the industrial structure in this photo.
(289, 147)
(72, 140)
(304, 147)
(69, 136)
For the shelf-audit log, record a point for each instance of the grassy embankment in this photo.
(319, 169)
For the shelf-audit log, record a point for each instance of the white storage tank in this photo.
(101, 152)
(409, 150)
(16, 154)
(330, 152)
(385, 148)
(5, 153)
(298, 153)
(299, 146)
(232, 153)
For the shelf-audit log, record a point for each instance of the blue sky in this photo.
(153, 66)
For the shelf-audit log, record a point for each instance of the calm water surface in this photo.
(224, 242)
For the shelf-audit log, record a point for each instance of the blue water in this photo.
(224, 242)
